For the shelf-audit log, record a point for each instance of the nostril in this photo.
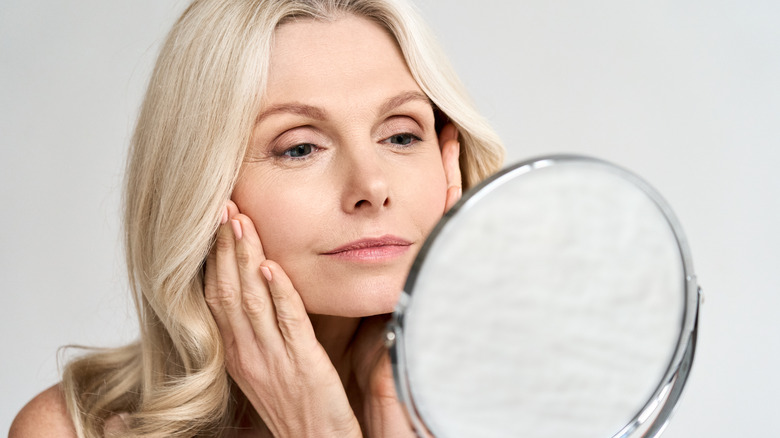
(366, 203)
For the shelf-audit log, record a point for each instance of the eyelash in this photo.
(287, 153)
(311, 148)
(412, 139)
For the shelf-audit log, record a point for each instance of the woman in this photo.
(289, 159)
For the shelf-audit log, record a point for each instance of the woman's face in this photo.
(344, 177)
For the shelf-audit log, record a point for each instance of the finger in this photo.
(226, 296)
(232, 208)
(255, 294)
(213, 299)
(291, 316)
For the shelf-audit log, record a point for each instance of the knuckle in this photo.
(283, 294)
(225, 294)
(223, 243)
(254, 305)
(292, 319)
(293, 325)
(243, 257)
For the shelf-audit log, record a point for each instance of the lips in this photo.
(371, 249)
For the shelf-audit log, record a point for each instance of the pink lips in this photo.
(371, 249)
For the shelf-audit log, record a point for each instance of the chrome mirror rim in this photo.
(653, 417)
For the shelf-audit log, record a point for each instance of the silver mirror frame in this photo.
(653, 417)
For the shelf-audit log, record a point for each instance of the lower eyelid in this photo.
(283, 156)
(414, 139)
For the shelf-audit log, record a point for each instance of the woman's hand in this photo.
(270, 346)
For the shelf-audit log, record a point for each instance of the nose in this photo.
(366, 185)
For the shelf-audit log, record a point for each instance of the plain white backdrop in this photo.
(686, 94)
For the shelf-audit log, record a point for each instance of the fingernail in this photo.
(266, 273)
(236, 229)
(460, 192)
(224, 215)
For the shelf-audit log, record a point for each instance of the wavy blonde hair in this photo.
(188, 146)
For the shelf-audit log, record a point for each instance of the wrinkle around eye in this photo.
(410, 139)
(307, 149)
(403, 125)
(253, 157)
(271, 146)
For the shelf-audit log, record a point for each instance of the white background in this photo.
(685, 93)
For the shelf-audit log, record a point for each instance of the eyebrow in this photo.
(317, 113)
(394, 102)
(308, 111)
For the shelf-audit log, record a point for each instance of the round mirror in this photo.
(556, 299)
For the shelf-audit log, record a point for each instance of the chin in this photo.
(357, 301)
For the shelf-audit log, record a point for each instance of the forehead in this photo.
(350, 59)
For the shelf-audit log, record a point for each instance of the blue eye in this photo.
(403, 139)
(299, 151)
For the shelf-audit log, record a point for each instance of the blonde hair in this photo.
(185, 156)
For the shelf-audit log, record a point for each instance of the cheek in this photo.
(292, 219)
(283, 215)
(428, 195)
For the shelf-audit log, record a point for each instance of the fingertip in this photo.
(225, 215)
(266, 273)
(244, 222)
(272, 267)
(237, 231)
(249, 232)
(243, 219)
(278, 278)
(231, 207)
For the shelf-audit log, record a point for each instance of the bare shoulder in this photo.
(44, 416)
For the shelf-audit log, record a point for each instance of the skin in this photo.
(344, 150)
(357, 180)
